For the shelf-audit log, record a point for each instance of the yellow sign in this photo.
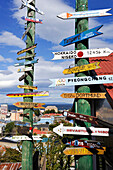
(84, 95)
(27, 87)
(82, 68)
(26, 49)
(82, 151)
(29, 105)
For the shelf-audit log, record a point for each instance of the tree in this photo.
(9, 127)
(37, 112)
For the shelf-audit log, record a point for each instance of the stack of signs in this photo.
(28, 71)
(86, 80)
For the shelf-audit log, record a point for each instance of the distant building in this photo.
(51, 108)
(15, 115)
(4, 109)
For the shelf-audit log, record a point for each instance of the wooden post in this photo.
(27, 146)
(82, 106)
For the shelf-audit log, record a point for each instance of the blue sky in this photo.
(48, 36)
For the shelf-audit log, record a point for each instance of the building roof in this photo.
(106, 69)
(38, 131)
(51, 114)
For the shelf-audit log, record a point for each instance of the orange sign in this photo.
(82, 151)
(29, 105)
(84, 95)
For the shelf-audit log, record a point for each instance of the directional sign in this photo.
(27, 30)
(27, 87)
(26, 63)
(25, 57)
(23, 76)
(81, 36)
(28, 104)
(82, 68)
(24, 137)
(25, 3)
(82, 151)
(89, 80)
(32, 19)
(87, 53)
(85, 144)
(24, 69)
(60, 130)
(85, 14)
(40, 93)
(27, 49)
(84, 95)
(82, 117)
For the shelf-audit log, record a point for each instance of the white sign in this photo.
(24, 137)
(99, 52)
(60, 130)
(89, 80)
(85, 14)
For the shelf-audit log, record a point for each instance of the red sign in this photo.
(7, 166)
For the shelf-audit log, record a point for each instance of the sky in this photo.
(48, 36)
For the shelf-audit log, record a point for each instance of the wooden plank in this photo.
(82, 68)
(28, 104)
(27, 30)
(27, 49)
(84, 95)
(82, 151)
(25, 57)
(27, 87)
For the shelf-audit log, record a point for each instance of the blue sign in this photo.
(26, 63)
(81, 36)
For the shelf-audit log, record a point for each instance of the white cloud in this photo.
(2, 59)
(10, 39)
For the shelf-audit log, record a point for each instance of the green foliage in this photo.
(50, 111)
(11, 155)
(9, 127)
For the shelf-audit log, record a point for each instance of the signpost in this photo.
(84, 95)
(23, 76)
(32, 19)
(27, 87)
(85, 53)
(38, 93)
(27, 49)
(25, 57)
(25, 69)
(82, 151)
(26, 63)
(81, 36)
(68, 130)
(82, 68)
(24, 137)
(27, 30)
(28, 104)
(86, 144)
(85, 14)
(82, 117)
(89, 80)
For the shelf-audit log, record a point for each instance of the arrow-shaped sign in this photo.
(28, 104)
(27, 87)
(89, 80)
(84, 95)
(27, 49)
(27, 56)
(82, 68)
(82, 117)
(32, 19)
(24, 69)
(24, 137)
(81, 36)
(83, 151)
(23, 76)
(26, 63)
(85, 144)
(68, 130)
(87, 53)
(38, 93)
(85, 14)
